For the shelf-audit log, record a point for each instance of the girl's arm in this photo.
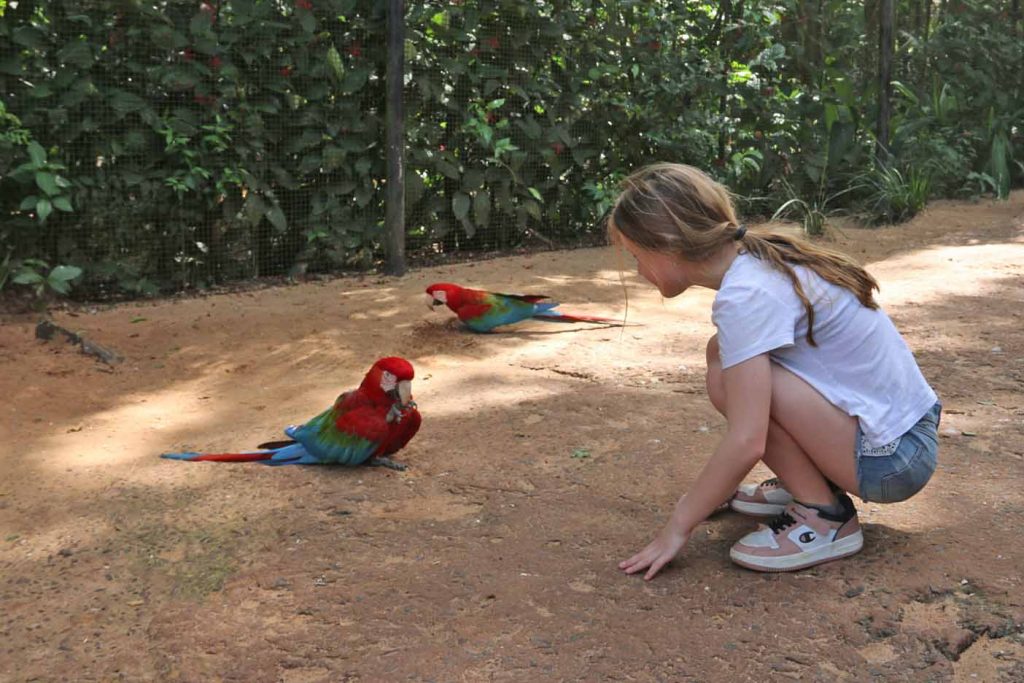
(748, 393)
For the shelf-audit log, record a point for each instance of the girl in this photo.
(811, 376)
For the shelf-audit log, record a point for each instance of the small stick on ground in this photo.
(47, 329)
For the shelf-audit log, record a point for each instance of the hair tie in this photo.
(740, 232)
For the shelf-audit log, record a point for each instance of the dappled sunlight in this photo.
(135, 430)
(466, 390)
(547, 451)
(381, 314)
(938, 272)
(560, 280)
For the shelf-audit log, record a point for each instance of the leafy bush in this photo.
(174, 145)
(893, 196)
(813, 210)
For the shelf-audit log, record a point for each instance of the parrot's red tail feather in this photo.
(220, 457)
(234, 457)
(569, 318)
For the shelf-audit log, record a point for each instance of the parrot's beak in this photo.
(431, 301)
(405, 392)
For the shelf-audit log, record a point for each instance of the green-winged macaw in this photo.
(482, 311)
(363, 426)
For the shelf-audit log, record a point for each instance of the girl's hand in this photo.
(658, 552)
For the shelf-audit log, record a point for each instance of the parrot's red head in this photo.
(399, 367)
(390, 379)
(444, 293)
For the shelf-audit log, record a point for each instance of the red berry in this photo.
(215, 62)
(285, 71)
(558, 147)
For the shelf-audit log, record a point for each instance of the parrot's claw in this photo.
(389, 463)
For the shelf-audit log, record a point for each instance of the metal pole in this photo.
(394, 191)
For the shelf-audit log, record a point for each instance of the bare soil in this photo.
(548, 453)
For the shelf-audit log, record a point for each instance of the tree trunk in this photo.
(870, 43)
(885, 49)
(724, 45)
(394, 197)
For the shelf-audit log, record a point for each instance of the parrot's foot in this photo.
(387, 462)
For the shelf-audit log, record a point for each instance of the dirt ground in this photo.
(547, 454)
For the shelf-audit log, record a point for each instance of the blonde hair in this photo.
(678, 209)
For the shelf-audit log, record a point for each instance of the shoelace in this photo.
(783, 521)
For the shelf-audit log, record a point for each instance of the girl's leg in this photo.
(810, 441)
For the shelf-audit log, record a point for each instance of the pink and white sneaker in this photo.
(800, 537)
(766, 499)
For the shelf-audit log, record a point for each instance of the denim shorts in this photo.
(898, 475)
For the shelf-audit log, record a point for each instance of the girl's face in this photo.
(669, 273)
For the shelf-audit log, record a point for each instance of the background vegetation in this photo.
(149, 147)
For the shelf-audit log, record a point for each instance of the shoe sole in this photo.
(836, 550)
(757, 509)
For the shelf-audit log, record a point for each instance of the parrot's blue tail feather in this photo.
(179, 456)
(545, 307)
(295, 454)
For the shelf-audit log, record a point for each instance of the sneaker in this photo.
(800, 537)
(766, 499)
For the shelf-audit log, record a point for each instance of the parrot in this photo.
(364, 426)
(482, 311)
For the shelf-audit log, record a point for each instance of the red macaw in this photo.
(482, 311)
(363, 426)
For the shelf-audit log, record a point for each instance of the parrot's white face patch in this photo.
(441, 295)
(388, 381)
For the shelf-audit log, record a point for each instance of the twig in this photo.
(46, 329)
(546, 240)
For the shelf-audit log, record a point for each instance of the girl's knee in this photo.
(711, 353)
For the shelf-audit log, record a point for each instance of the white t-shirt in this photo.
(860, 364)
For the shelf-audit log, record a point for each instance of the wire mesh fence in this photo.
(218, 141)
(182, 143)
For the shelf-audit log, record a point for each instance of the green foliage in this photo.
(894, 196)
(202, 142)
(49, 190)
(812, 210)
(38, 275)
(167, 146)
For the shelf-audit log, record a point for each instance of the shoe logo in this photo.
(807, 537)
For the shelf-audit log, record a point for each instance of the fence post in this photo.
(394, 189)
